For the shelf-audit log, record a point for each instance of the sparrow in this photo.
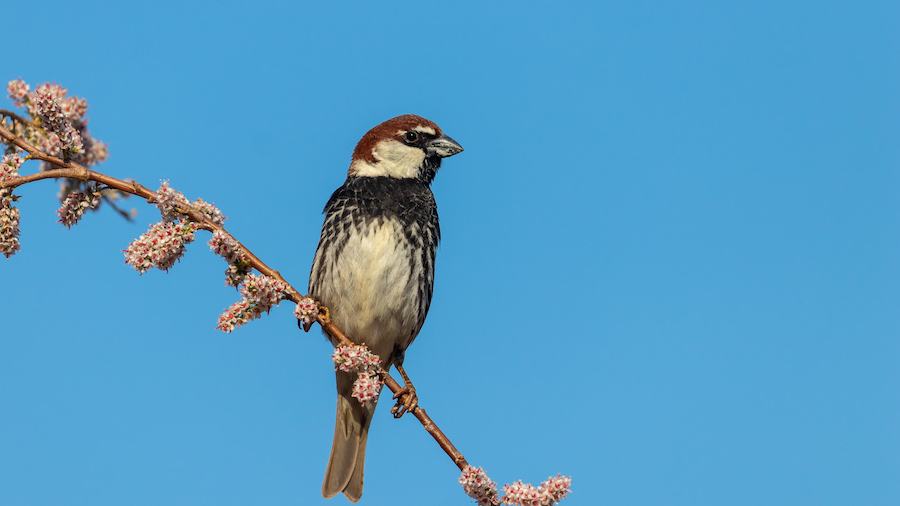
(374, 270)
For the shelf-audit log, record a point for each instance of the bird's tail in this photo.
(348, 450)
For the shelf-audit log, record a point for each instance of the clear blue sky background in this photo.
(669, 268)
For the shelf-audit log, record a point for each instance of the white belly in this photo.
(372, 289)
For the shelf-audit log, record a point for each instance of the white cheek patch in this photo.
(393, 159)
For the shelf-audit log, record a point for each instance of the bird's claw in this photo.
(407, 401)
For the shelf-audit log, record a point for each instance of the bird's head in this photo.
(407, 146)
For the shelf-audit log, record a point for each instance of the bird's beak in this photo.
(443, 147)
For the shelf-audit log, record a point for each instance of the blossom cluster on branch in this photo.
(225, 246)
(9, 214)
(58, 123)
(358, 359)
(260, 294)
(306, 312)
(75, 205)
(165, 243)
(160, 246)
(479, 486)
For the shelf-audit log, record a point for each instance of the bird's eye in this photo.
(412, 136)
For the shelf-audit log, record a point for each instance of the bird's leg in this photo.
(406, 397)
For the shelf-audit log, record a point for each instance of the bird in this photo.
(374, 270)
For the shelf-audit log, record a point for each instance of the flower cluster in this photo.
(9, 225)
(358, 359)
(55, 120)
(167, 199)
(260, 293)
(161, 246)
(68, 108)
(478, 486)
(9, 215)
(550, 492)
(75, 205)
(210, 211)
(18, 91)
(9, 166)
(355, 359)
(58, 127)
(366, 387)
(263, 292)
(226, 247)
(307, 311)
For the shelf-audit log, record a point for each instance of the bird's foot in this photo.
(407, 400)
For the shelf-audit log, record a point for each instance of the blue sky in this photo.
(669, 259)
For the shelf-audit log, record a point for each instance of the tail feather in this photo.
(346, 463)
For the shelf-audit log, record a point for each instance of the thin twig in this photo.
(123, 213)
(16, 117)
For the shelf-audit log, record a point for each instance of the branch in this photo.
(123, 213)
(13, 116)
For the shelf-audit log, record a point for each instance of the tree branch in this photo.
(15, 117)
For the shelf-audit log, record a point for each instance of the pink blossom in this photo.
(522, 494)
(556, 489)
(358, 359)
(161, 246)
(225, 246)
(263, 292)
(235, 316)
(355, 358)
(62, 123)
(210, 211)
(47, 106)
(550, 492)
(9, 226)
(260, 293)
(51, 91)
(97, 153)
(9, 215)
(75, 205)
(307, 311)
(366, 387)
(236, 272)
(479, 487)
(167, 200)
(9, 166)
(17, 91)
